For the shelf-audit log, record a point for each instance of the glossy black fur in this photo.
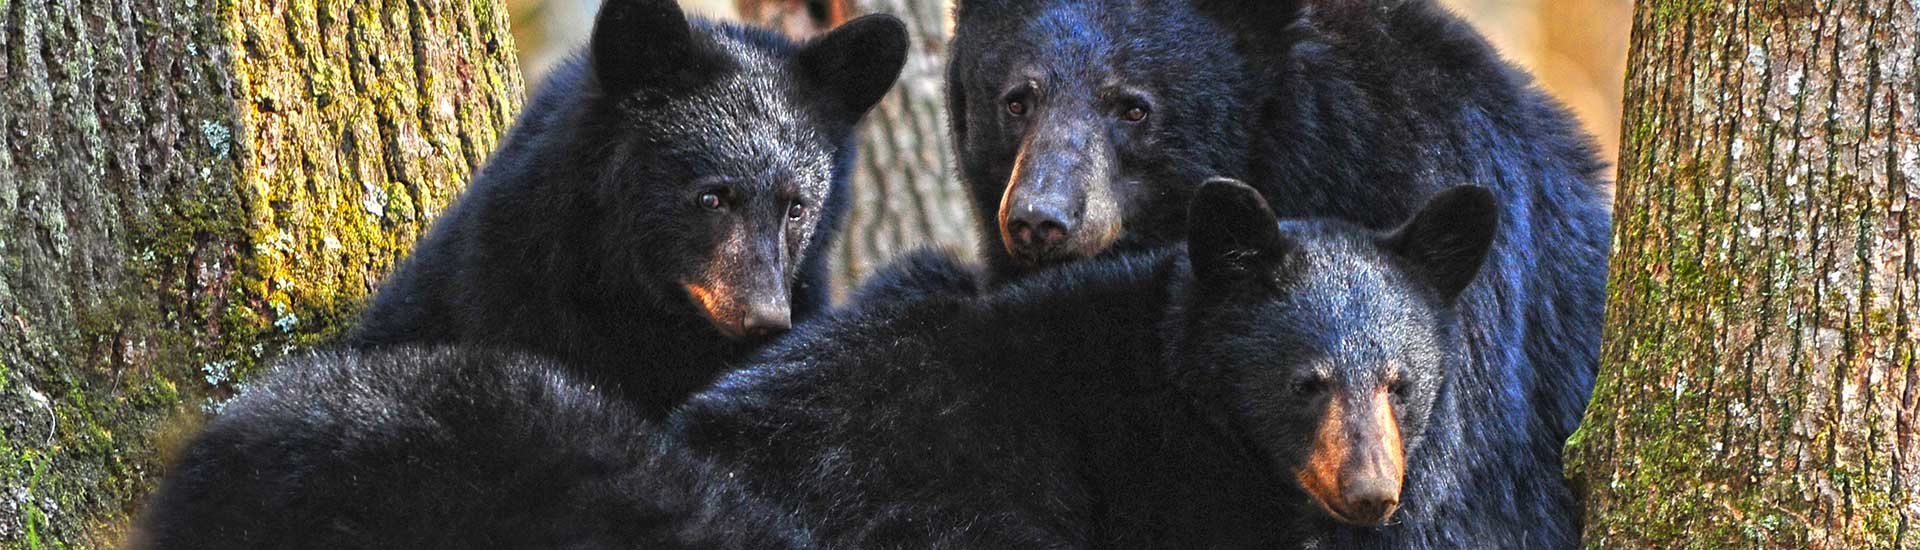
(444, 449)
(1145, 400)
(1355, 109)
(584, 235)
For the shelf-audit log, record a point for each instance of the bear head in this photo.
(1322, 346)
(1080, 125)
(721, 146)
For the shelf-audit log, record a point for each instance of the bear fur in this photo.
(1081, 125)
(668, 195)
(1158, 399)
(453, 449)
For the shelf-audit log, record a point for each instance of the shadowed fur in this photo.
(444, 449)
(1154, 399)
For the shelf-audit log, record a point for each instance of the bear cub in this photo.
(661, 207)
(452, 448)
(1270, 376)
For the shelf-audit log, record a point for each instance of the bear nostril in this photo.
(1374, 510)
(1037, 231)
(1371, 503)
(1052, 233)
(765, 321)
(1020, 232)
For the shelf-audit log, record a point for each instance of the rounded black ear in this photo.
(858, 61)
(1450, 237)
(1232, 235)
(643, 44)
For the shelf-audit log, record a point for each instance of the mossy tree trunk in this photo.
(1758, 385)
(190, 188)
(905, 192)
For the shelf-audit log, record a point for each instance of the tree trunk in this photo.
(190, 188)
(1758, 383)
(905, 192)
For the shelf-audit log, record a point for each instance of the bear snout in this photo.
(1356, 464)
(1058, 205)
(743, 314)
(767, 318)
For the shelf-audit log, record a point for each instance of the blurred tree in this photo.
(1576, 49)
(905, 192)
(189, 189)
(1758, 384)
(548, 31)
(1580, 58)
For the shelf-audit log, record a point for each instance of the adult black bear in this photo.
(668, 196)
(1158, 399)
(444, 449)
(1080, 126)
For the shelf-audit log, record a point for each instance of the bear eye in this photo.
(1135, 114)
(796, 211)
(1399, 390)
(1017, 107)
(711, 200)
(1311, 386)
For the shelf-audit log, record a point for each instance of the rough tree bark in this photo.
(905, 192)
(1758, 383)
(189, 188)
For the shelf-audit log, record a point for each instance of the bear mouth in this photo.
(1343, 516)
(1077, 247)
(734, 316)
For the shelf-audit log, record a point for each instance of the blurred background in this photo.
(905, 193)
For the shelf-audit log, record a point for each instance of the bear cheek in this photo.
(1319, 474)
(711, 288)
(716, 302)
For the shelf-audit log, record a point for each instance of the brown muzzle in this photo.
(1357, 464)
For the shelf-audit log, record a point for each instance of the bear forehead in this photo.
(1366, 327)
(1345, 297)
(753, 116)
(1107, 41)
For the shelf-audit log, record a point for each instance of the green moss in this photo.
(228, 270)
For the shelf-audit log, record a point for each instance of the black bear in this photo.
(444, 448)
(1080, 126)
(668, 196)
(1153, 399)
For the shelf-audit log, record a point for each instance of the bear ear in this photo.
(1232, 235)
(643, 45)
(858, 61)
(1450, 237)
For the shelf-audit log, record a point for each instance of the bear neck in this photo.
(1084, 330)
(1095, 339)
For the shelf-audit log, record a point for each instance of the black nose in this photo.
(767, 319)
(1037, 230)
(1371, 499)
